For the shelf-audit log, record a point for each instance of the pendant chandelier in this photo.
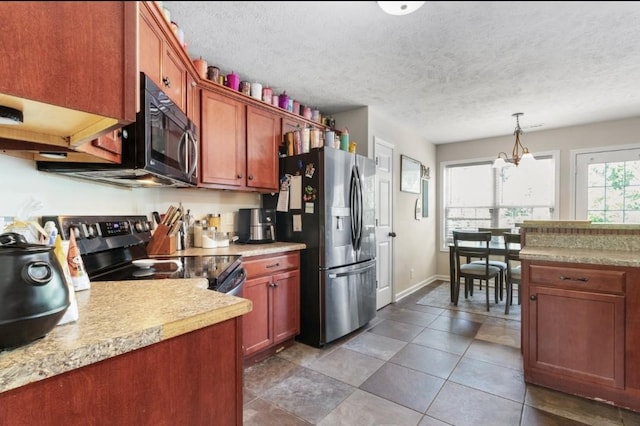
(519, 154)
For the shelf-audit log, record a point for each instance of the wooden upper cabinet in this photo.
(158, 57)
(263, 138)
(70, 67)
(239, 144)
(222, 141)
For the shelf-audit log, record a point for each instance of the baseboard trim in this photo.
(418, 286)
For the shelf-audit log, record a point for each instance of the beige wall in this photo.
(564, 140)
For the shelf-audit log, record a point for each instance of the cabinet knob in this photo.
(239, 176)
(533, 297)
(166, 81)
(392, 234)
(250, 177)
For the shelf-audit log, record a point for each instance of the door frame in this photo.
(377, 141)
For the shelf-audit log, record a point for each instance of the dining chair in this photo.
(514, 269)
(467, 247)
(497, 233)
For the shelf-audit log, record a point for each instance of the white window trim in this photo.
(573, 169)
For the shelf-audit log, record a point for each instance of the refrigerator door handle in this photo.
(353, 209)
(352, 272)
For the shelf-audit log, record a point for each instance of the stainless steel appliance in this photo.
(111, 247)
(333, 213)
(256, 226)
(159, 149)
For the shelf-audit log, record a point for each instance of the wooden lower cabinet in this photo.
(191, 379)
(580, 330)
(273, 286)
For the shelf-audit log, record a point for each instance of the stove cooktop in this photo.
(214, 268)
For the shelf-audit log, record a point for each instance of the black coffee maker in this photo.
(256, 226)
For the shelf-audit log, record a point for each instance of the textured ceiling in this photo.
(452, 71)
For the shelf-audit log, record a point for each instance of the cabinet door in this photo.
(286, 305)
(222, 140)
(151, 46)
(174, 77)
(256, 327)
(577, 334)
(263, 138)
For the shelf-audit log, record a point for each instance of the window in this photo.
(476, 195)
(608, 185)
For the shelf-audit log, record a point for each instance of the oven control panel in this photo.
(97, 233)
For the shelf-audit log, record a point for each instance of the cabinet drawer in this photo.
(578, 278)
(269, 264)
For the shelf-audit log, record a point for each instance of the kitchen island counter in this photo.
(116, 317)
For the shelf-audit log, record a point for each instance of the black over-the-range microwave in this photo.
(159, 149)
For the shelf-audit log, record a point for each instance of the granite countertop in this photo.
(245, 250)
(116, 317)
(587, 256)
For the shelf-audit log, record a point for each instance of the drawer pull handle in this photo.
(564, 278)
(273, 265)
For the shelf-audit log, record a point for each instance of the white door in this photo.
(384, 222)
(607, 185)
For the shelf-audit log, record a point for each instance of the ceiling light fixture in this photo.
(519, 153)
(10, 115)
(400, 7)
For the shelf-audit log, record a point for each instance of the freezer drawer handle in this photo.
(346, 274)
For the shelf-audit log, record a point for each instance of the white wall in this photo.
(609, 133)
(59, 195)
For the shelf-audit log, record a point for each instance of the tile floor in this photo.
(414, 365)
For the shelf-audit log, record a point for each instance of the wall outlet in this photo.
(411, 271)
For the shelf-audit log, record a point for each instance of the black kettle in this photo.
(33, 292)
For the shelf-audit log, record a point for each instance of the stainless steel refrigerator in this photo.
(331, 209)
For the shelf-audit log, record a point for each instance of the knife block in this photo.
(161, 242)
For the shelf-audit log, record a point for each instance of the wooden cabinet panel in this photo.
(195, 378)
(257, 331)
(78, 55)
(286, 305)
(579, 278)
(222, 140)
(263, 138)
(577, 334)
(71, 69)
(273, 286)
(158, 58)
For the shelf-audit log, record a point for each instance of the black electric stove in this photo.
(110, 245)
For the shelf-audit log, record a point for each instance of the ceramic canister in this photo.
(329, 138)
(306, 112)
(233, 81)
(201, 66)
(290, 105)
(306, 138)
(245, 88)
(283, 100)
(267, 94)
(213, 73)
(296, 107)
(256, 91)
(275, 100)
(316, 141)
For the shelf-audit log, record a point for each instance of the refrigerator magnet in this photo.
(309, 171)
(309, 193)
(308, 208)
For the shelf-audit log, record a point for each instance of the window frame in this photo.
(554, 154)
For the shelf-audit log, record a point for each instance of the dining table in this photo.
(496, 248)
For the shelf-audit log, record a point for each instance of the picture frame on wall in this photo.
(410, 174)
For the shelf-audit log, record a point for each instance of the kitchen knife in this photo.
(156, 218)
